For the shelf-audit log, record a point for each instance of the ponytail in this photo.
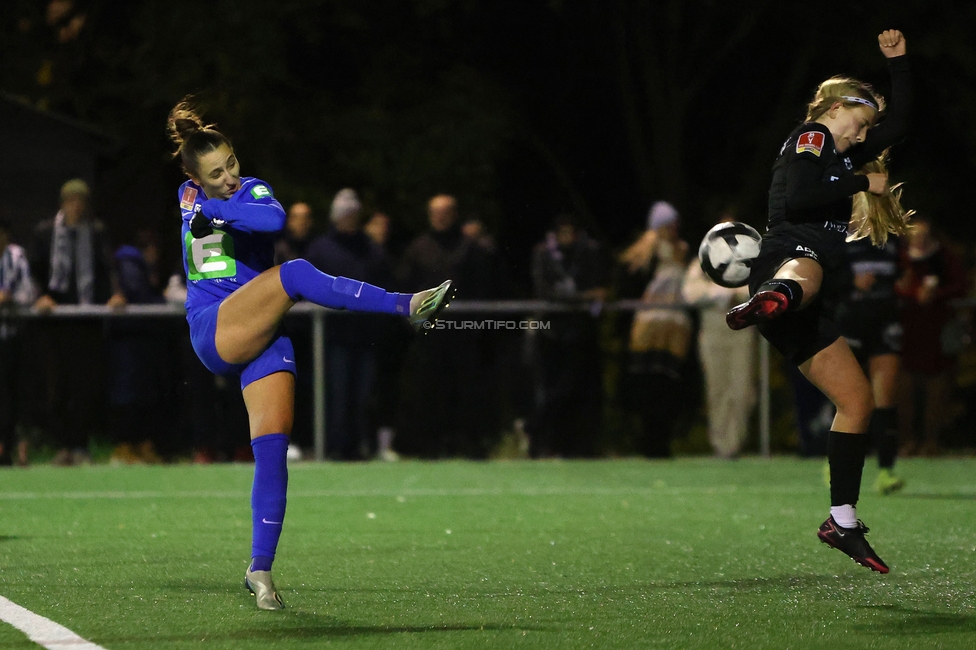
(191, 136)
(875, 215)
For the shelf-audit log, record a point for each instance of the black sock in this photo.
(884, 431)
(789, 288)
(845, 454)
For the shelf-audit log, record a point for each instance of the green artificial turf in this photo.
(693, 553)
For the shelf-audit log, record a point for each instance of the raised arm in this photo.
(252, 209)
(895, 123)
(249, 217)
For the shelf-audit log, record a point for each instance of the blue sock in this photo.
(268, 497)
(302, 281)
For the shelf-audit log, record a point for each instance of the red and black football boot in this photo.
(852, 542)
(764, 306)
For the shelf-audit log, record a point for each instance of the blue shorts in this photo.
(279, 356)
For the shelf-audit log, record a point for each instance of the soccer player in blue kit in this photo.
(235, 301)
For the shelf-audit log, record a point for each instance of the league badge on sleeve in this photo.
(812, 141)
(189, 198)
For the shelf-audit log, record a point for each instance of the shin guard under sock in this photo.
(884, 431)
(789, 288)
(268, 497)
(845, 454)
(302, 281)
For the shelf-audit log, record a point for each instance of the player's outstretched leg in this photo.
(773, 298)
(302, 281)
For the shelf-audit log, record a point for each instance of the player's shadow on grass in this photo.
(948, 496)
(908, 621)
(9, 538)
(277, 626)
(777, 583)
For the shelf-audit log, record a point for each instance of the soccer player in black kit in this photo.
(869, 321)
(810, 208)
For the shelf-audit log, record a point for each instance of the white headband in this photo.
(859, 100)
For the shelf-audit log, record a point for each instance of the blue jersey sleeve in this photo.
(253, 208)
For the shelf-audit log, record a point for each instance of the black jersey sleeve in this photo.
(895, 123)
(807, 188)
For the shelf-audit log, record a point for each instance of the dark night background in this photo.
(521, 108)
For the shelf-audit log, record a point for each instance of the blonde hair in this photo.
(849, 92)
(876, 215)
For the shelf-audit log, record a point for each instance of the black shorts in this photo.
(800, 334)
(871, 327)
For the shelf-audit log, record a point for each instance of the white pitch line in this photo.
(42, 631)
(425, 492)
(963, 491)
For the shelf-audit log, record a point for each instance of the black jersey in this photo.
(813, 183)
(882, 263)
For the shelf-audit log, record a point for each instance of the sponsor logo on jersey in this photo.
(848, 163)
(260, 191)
(809, 252)
(189, 198)
(210, 257)
(812, 141)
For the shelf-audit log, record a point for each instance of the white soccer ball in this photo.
(727, 251)
(294, 453)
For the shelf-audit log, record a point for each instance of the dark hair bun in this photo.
(183, 122)
(186, 126)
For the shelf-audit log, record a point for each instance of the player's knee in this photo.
(857, 406)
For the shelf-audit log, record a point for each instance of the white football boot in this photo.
(260, 584)
(426, 305)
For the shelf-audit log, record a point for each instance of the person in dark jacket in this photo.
(71, 263)
(297, 234)
(345, 250)
(568, 266)
(16, 292)
(933, 275)
(448, 406)
(138, 351)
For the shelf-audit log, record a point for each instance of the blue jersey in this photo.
(237, 251)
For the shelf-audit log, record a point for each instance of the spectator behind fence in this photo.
(727, 359)
(297, 235)
(293, 244)
(448, 406)
(391, 346)
(71, 263)
(933, 276)
(568, 266)
(138, 355)
(345, 250)
(378, 229)
(16, 290)
(659, 338)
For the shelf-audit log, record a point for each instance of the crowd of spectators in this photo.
(570, 386)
